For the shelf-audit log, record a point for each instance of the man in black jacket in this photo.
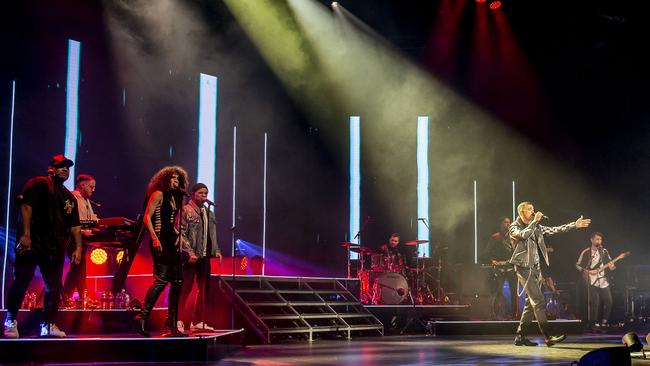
(527, 237)
(48, 215)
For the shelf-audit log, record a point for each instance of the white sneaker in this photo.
(11, 329)
(180, 326)
(200, 326)
(51, 330)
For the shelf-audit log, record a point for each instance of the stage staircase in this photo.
(276, 307)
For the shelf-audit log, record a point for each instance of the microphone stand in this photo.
(358, 235)
(412, 316)
(234, 249)
(203, 287)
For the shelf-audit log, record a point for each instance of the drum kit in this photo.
(393, 279)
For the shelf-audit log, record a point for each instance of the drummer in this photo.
(396, 253)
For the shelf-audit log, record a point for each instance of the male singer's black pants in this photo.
(51, 271)
(201, 270)
(531, 280)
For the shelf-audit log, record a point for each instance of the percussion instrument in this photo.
(390, 289)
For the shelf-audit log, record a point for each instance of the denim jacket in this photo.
(192, 231)
(526, 238)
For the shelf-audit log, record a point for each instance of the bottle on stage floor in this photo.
(84, 304)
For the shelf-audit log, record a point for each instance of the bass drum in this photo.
(390, 289)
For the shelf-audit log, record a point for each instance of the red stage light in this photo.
(244, 263)
(481, 1)
(98, 256)
(495, 5)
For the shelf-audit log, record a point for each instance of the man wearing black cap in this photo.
(48, 215)
(199, 233)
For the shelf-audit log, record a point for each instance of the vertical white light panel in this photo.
(423, 182)
(234, 189)
(9, 171)
(72, 107)
(475, 224)
(264, 207)
(355, 179)
(207, 146)
(514, 203)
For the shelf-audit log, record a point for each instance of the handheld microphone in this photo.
(210, 203)
(97, 204)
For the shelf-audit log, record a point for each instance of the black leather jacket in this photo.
(526, 239)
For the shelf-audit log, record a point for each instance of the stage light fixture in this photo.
(207, 133)
(355, 180)
(335, 4)
(632, 341)
(119, 256)
(98, 256)
(244, 263)
(495, 5)
(72, 107)
(481, 1)
(423, 182)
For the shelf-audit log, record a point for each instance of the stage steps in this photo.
(274, 307)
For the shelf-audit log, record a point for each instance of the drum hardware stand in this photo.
(439, 296)
(357, 236)
(412, 316)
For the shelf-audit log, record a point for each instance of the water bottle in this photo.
(103, 298)
(110, 299)
(123, 299)
(127, 300)
(119, 300)
(84, 304)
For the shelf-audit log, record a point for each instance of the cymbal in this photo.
(416, 242)
(348, 244)
(362, 250)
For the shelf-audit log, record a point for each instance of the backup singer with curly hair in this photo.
(164, 196)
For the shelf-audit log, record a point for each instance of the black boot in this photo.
(140, 326)
(521, 340)
(171, 324)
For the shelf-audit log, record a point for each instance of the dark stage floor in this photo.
(420, 350)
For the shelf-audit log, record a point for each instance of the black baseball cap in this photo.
(59, 161)
(198, 186)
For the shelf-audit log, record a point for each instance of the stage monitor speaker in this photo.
(474, 280)
(609, 356)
